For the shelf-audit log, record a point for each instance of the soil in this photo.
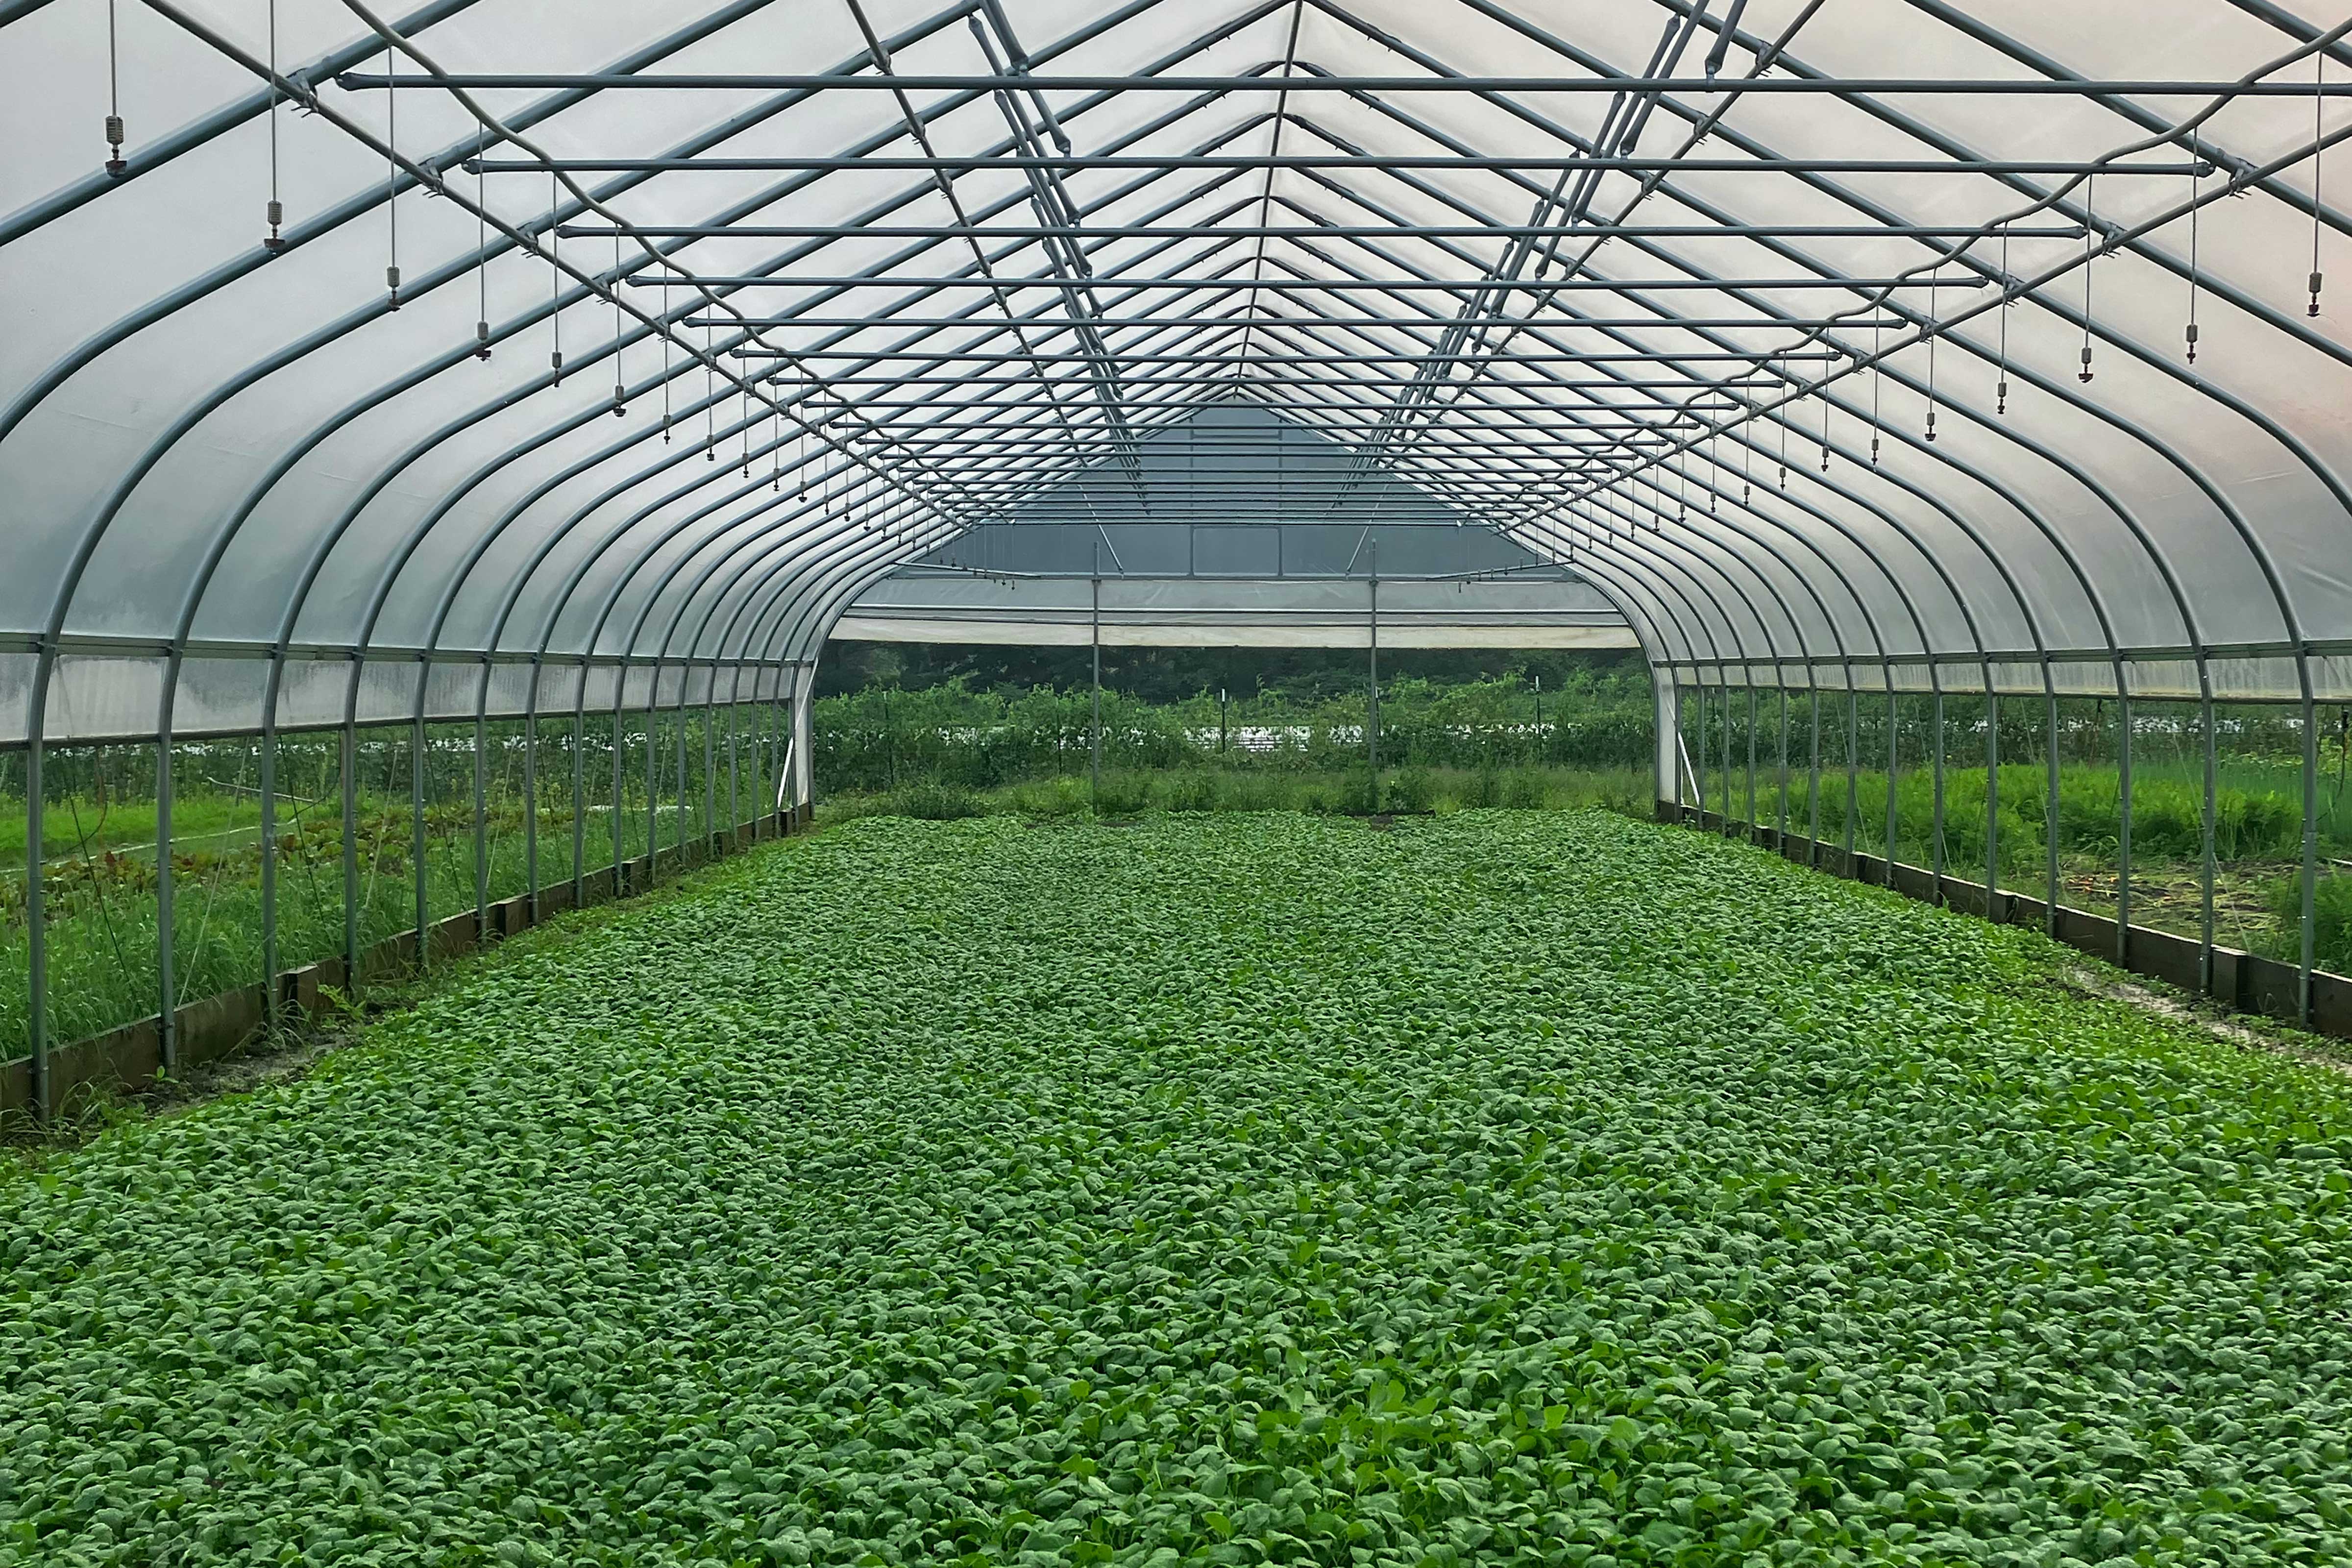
(2236, 1029)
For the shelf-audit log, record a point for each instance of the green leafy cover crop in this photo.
(1542, 1188)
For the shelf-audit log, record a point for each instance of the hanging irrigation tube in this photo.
(2110, 238)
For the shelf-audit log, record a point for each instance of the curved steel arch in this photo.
(1790, 254)
(699, 571)
(684, 369)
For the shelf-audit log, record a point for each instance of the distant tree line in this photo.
(1172, 674)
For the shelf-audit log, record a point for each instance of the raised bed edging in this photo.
(2244, 982)
(213, 1026)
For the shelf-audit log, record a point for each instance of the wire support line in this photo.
(1942, 87)
(1265, 356)
(1413, 323)
(977, 383)
(1318, 231)
(1295, 285)
(973, 163)
(1253, 460)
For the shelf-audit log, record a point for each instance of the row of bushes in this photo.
(2168, 815)
(2089, 728)
(1127, 791)
(881, 738)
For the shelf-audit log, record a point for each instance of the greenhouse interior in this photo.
(1357, 782)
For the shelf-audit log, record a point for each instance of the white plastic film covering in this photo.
(559, 689)
(387, 691)
(1802, 380)
(104, 698)
(16, 670)
(1203, 612)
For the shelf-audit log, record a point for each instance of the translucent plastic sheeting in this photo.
(1195, 612)
(1196, 631)
(98, 697)
(205, 438)
(2230, 679)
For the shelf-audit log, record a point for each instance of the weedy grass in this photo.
(1506, 1187)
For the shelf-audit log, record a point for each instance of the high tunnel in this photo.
(487, 364)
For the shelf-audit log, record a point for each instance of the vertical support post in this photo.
(2123, 817)
(784, 762)
(710, 766)
(685, 807)
(1094, 726)
(620, 833)
(1373, 673)
(1755, 824)
(780, 751)
(2306, 948)
(803, 746)
(1671, 720)
(2049, 805)
(1698, 727)
(579, 794)
(1222, 701)
(1936, 764)
(734, 782)
(1666, 756)
(1813, 774)
(481, 813)
(779, 744)
(1894, 766)
(167, 985)
(36, 980)
(1723, 817)
(1780, 820)
(416, 818)
(531, 797)
(1853, 764)
(349, 760)
(2205, 830)
(269, 998)
(653, 776)
(1992, 799)
(1539, 730)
